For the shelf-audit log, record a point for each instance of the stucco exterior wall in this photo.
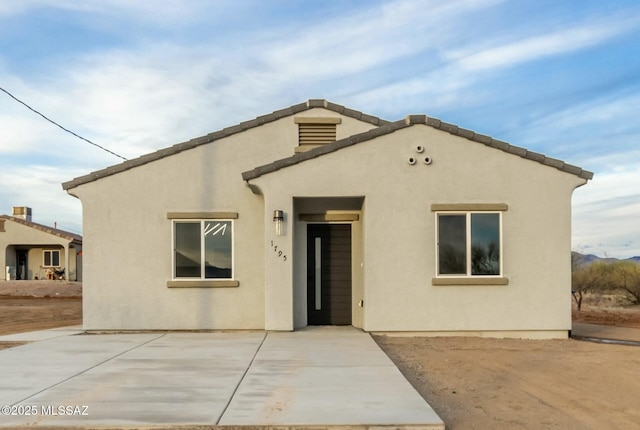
(35, 260)
(399, 235)
(128, 244)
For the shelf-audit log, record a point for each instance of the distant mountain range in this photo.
(586, 259)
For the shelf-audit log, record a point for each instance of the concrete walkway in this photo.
(625, 335)
(313, 377)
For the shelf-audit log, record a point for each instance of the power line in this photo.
(56, 124)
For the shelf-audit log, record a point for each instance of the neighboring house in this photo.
(34, 251)
(319, 214)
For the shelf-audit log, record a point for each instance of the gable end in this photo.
(225, 132)
(409, 121)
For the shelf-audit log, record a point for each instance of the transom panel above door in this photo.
(329, 294)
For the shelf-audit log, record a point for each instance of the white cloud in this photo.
(601, 132)
(510, 53)
(38, 186)
(353, 43)
(142, 98)
(132, 102)
(609, 111)
(606, 213)
(137, 100)
(21, 134)
(456, 63)
(152, 93)
(168, 12)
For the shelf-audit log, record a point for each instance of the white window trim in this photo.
(44, 252)
(202, 266)
(468, 275)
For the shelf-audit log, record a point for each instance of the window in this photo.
(52, 258)
(203, 249)
(469, 244)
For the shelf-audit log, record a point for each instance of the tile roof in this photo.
(225, 132)
(409, 121)
(50, 230)
(383, 127)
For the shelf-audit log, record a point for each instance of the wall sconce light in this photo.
(278, 220)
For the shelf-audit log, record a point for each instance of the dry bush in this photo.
(625, 278)
(589, 279)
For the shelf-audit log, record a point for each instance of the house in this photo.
(319, 214)
(34, 251)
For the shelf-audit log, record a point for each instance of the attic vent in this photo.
(315, 131)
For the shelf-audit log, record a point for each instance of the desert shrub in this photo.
(625, 277)
(595, 277)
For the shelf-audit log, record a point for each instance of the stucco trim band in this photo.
(202, 284)
(329, 217)
(474, 280)
(202, 215)
(443, 207)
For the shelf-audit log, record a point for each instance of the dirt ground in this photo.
(38, 305)
(472, 383)
(475, 383)
(606, 309)
(40, 289)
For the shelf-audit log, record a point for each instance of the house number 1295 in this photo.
(278, 252)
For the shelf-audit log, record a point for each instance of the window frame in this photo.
(175, 281)
(468, 245)
(44, 258)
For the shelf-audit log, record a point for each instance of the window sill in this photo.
(470, 281)
(203, 284)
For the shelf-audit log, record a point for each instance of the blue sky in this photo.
(557, 77)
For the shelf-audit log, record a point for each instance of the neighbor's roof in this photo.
(409, 121)
(225, 132)
(54, 231)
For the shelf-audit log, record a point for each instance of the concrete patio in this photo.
(325, 376)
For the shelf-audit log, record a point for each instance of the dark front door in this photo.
(21, 270)
(329, 274)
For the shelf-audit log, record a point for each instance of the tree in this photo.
(625, 277)
(485, 260)
(586, 279)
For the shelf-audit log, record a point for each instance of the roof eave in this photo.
(71, 237)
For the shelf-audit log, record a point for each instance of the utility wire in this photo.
(55, 123)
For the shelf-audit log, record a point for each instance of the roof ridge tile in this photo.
(314, 103)
(466, 133)
(517, 150)
(433, 122)
(499, 144)
(415, 119)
